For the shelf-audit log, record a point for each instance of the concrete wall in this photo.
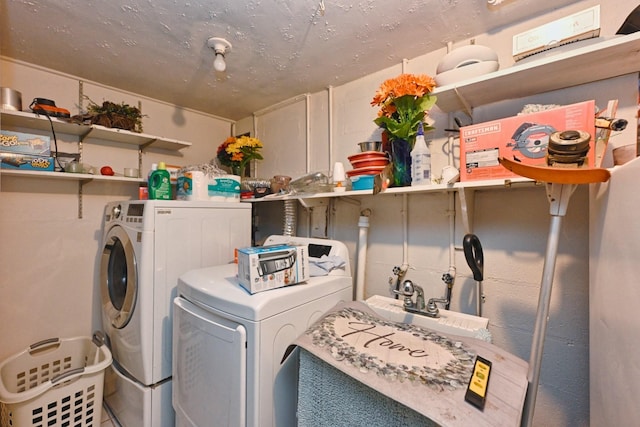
(48, 256)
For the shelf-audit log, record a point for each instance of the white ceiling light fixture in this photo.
(220, 47)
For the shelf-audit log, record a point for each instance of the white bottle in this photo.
(420, 160)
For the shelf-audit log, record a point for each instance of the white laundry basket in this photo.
(55, 382)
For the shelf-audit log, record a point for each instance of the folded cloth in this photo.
(325, 264)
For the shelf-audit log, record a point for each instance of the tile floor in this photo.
(107, 418)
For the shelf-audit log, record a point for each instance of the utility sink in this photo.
(448, 323)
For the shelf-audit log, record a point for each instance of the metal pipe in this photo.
(451, 212)
(363, 230)
(330, 122)
(542, 317)
(307, 105)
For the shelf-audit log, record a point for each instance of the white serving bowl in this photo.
(466, 55)
(466, 72)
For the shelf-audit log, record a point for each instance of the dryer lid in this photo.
(218, 288)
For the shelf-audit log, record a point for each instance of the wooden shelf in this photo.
(25, 119)
(612, 57)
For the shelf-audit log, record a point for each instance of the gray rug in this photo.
(329, 398)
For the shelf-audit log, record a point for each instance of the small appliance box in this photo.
(273, 266)
(25, 143)
(25, 162)
(523, 138)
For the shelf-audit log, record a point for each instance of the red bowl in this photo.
(371, 170)
(357, 164)
(368, 155)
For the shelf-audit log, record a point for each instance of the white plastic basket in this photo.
(55, 382)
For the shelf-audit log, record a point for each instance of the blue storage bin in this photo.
(362, 182)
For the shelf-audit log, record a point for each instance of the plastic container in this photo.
(54, 382)
(362, 182)
(420, 160)
(160, 183)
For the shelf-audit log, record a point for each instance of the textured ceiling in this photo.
(281, 48)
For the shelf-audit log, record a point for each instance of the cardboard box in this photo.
(25, 162)
(522, 138)
(274, 266)
(25, 143)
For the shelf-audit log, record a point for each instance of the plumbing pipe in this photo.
(330, 122)
(451, 213)
(401, 271)
(307, 105)
(363, 227)
(255, 134)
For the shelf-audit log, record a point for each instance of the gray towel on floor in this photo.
(329, 398)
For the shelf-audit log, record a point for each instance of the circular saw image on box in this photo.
(531, 140)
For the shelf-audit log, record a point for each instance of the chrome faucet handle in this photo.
(432, 308)
(408, 288)
(407, 291)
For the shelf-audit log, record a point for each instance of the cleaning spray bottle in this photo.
(160, 183)
(420, 160)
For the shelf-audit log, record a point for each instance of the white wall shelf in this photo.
(433, 188)
(465, 191)
(612, 57)
(67, 176)
(25, 119)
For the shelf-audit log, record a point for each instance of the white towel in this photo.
(324, 265)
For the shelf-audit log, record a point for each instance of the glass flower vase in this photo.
(401, 162)
(238, 170)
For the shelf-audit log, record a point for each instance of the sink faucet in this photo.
(418, 307)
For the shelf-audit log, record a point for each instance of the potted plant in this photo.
(112, 115)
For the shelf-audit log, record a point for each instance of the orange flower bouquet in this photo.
(236, 153)
(404, 101)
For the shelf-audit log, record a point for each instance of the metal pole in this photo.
(559, 195)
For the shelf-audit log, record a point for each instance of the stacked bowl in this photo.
(366, 165)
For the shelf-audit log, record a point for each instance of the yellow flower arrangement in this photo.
(236, 153)
(403, 102)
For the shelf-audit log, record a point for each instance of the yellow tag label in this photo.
(480, 378)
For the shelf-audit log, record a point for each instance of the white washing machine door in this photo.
(118, 277)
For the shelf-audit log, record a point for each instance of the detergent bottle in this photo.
(420, 160)
(160, 183)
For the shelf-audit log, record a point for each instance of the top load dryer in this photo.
(230, 345)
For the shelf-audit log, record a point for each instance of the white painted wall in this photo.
(512, 224)
(48, 257)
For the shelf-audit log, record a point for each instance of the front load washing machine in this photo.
(146, 246)
(230, 345)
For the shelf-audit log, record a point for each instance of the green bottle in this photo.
(160, 183)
